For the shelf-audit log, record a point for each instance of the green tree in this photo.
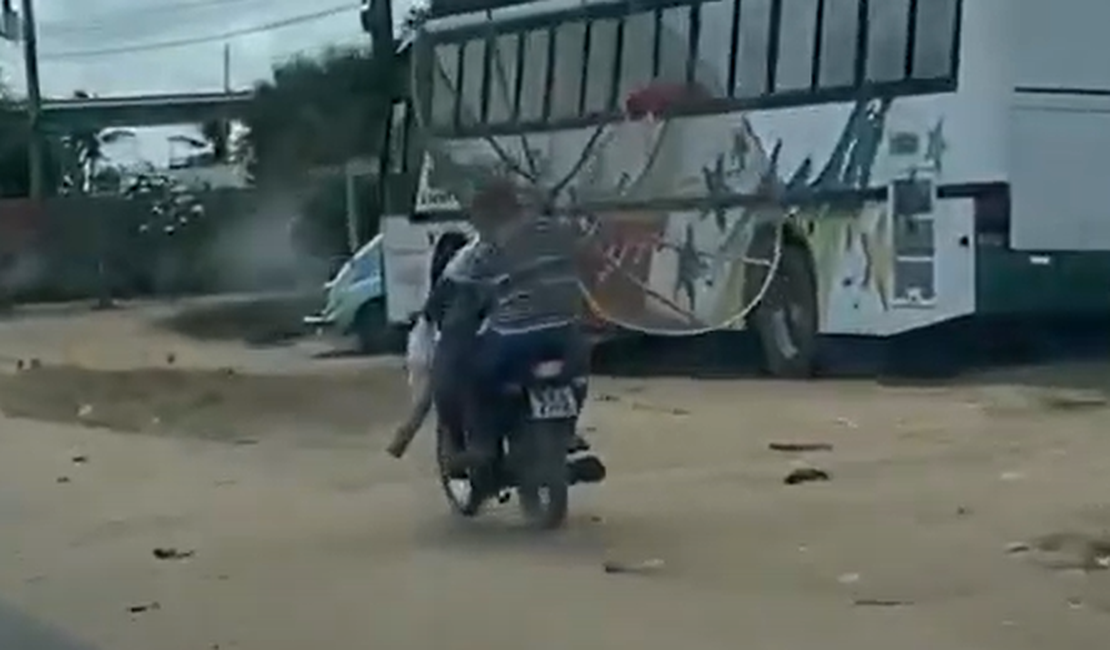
(317, 112)
(15, 178)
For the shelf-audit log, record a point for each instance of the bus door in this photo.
(912, 203)
(402, 249)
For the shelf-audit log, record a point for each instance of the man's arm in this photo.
(435, 307)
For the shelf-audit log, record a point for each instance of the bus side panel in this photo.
(407, 251)
(1059, 124)
(1058, 173)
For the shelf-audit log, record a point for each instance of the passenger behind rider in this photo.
(516, 301)
(455, 307)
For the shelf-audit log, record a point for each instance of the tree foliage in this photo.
(316, 112)
(15, 177)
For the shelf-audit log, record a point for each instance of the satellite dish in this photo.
(645, 267)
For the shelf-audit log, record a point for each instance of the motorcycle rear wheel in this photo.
(544, 482)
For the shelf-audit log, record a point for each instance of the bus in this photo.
(931, 160)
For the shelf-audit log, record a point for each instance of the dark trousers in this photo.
(450, 385)
(508, 358)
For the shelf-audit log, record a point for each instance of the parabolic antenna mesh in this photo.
(659, 255)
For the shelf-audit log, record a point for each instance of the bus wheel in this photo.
(786, 319)
(371, 328)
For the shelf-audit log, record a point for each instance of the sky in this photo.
(68, 28)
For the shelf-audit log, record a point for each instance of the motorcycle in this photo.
(538, 453)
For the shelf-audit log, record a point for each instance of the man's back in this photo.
(532, 270)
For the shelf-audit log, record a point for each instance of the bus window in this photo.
(566, 85)
(797, 38)
(752, 48)
(599, 66)
(887, 39)
(445, 90)
(839, 34)
(934, 39)
(503, 77)
(715, 54)
(638, 54)
(534, 75)
(473, 81)
(674, 44)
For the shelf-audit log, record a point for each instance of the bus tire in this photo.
(786, 320)
(372, 329)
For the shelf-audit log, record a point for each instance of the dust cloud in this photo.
(259, 250)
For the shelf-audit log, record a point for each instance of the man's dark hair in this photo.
(447, 245)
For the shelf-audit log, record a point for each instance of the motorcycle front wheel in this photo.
(544, 482)
(459, 489)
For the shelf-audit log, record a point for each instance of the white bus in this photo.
(934, 159)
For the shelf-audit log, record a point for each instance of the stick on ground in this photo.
(404, 435)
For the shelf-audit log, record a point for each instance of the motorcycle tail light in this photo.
(547, 369)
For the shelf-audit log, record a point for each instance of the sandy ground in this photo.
(263, 467)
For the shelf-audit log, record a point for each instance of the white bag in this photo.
(419, 352)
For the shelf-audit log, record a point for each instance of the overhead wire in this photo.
(197, 40)
(114, 19)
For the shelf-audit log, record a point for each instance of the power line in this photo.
(196, 40)
(109, 20)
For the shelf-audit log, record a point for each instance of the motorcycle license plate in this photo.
(553, 403)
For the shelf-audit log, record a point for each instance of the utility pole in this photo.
(376, 17)
(34, 101)
(227, 68)
(224, 123)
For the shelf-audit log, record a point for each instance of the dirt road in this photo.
(288, 528)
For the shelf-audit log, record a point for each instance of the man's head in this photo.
(495, 204)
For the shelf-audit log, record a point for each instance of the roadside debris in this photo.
(799, 447)
(880, 602)
(643, 406)
(848, 578)
(1066, 551)
(1070, 400)
(170, 553)
(806, 475)
(647, 566)
(152, 606)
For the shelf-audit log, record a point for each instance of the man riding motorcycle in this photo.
(505, 301)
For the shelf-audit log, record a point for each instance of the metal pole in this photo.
(34, 101)
(227, 68)
(352, 207)
(225, 124)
